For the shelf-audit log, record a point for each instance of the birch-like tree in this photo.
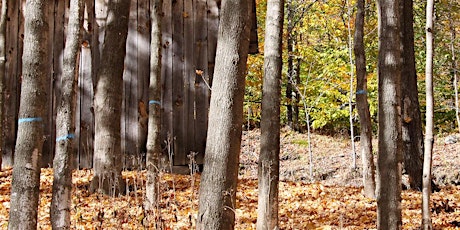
(32, 112)
(429, 126)
(154, 125)
(267, 209)
(61, 201)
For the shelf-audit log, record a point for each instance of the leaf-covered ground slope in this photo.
(330, 199)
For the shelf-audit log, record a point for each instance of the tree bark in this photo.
(108, 100)
(217, 199)
(429, 139)
(267, 209)
(411, 116)
(290, 65)
(32, 112)
(389, 158)
(154, 125)
(3, 8)
(65, 122)
(362, 104)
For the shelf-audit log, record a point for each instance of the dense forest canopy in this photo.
(320, 36)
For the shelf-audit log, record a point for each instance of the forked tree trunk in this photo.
(267, 209)
(217, 199)
(154, 125)
(363, 105)
(389, 158)
(32, 112)
(107, 162)
(429, 139)
(65, 121)
(410, 108)
(3, 8)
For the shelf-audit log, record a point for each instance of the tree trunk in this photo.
(290, 64)
(65, 122)
(154, 125)
(217, 199)
(3, 8)
(362, 104)
(107, 102)
(267, 209)
(411, 117)
(32, 111)
(429, 139)
(390, 144)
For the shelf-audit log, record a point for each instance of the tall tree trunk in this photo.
(267, 209)
(389, 158)
(290, 65)
(3, 10)
(429, 139)
(217, 199)
(362, 104)
(65, 122)
(154, 125)
(32, 112)
(453, 37)
(411, 117)
(107, 102)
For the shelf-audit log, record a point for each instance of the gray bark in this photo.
(65, 121)
(362, 104)
(154, 125)
(108, 100)
(32, 112)
(217, 198)
(2, 70)
(267, 209)
(389, 160)
(411, 117)
(429, 127)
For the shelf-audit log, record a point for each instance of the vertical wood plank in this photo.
(129, 124)
(178, 82)
(188, 129)
(85, 111)
(201, 87)
(143, 70)
(166, 76)
(11, 81)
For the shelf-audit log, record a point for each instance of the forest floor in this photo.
(329, 198)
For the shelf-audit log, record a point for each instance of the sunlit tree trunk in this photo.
(267, 209)
(65, 121)
(410, 108)
(3, 9)
(107, 161)
(429, 139)
(154, 125)
(389, 160)
(217, 199)
(362, 104)
(453, 37)
(32, 112)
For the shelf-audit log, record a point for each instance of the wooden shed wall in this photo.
(189, 44)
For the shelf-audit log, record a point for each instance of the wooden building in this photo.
(189, 44)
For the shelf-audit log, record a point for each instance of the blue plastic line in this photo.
(361, 91)
(68, 136)
(30, 119)
(151, 102)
